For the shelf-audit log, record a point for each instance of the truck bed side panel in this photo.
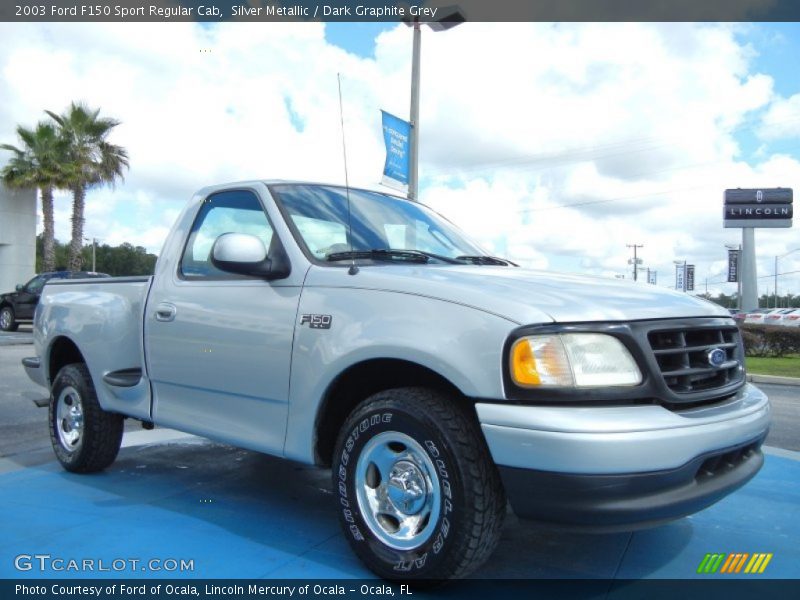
(103, 318)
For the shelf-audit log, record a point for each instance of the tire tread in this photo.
(483, 521)
(102, 434)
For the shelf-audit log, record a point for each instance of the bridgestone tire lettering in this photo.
(471, 501)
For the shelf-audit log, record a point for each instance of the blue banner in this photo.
(397, 137)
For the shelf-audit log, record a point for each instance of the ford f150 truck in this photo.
(356, 330)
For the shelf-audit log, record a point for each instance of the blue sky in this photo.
(358, 38)
(777, 48)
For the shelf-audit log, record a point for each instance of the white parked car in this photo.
(756, 316)
(775, 317)
(791, 318)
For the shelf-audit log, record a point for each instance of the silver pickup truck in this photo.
(359, 331)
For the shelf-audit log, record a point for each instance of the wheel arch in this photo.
(63, 351)
(363, 379)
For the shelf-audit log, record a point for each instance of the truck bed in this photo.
(102, 317)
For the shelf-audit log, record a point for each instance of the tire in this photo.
(85, 438)
(419, 497)
(8, 321)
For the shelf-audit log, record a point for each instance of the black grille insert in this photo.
(724, 463)
(684, 357)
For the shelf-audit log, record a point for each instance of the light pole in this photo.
(776, 272)
(451, 16)
(94, 252)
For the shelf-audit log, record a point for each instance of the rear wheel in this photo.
(418, 493)
(85, 437)
(8, 320)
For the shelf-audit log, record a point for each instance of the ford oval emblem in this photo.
(716, 357)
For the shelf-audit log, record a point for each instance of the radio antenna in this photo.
(353, 268)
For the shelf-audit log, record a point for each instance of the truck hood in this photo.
(522, 295)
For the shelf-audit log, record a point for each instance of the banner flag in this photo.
(396, 137)
(733, 266)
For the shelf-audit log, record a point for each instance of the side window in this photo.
(226, 212)
(35, 285)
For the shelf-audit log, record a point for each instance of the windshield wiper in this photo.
(379, 254)
(419, 256)
(480, 259)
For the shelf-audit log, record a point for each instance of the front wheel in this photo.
(8, 321)
(418, 494)
(85, 437)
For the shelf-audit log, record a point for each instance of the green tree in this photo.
(38, 164)
(119, 261)
(91, 160)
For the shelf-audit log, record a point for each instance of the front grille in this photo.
(684, 357)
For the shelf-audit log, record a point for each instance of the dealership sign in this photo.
(769, 207)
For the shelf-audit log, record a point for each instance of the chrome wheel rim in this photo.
(398, 490)
(5, 319)
(69, 419)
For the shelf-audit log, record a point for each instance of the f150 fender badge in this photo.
(317, 321)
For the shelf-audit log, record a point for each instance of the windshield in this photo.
(379, 222)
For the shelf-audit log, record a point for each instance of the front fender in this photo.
(460, 343)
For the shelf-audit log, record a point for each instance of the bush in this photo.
(770, 340)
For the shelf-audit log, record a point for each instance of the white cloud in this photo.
(782, 120)
(554, 144)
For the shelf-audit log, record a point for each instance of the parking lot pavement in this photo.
(239, 514)
(23, 335)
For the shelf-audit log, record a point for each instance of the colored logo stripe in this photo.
(758, 563)
(734, 562)
(710, 563)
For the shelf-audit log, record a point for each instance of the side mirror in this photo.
(20, 287)
(245, 254)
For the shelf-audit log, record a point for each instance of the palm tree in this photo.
(91, 160)
(38, 164)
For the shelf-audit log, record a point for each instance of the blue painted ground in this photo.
(237, 514)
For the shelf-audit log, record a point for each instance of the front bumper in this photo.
(624, 467)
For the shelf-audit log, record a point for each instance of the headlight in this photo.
(572, 360)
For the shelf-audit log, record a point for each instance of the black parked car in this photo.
(19, 306)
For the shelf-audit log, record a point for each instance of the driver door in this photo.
(218, 344)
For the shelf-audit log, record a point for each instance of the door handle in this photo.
(166, 312)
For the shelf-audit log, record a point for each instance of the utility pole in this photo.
(776, 282)
(635, 259)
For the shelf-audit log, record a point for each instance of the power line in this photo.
(761, 277)
(585, 153)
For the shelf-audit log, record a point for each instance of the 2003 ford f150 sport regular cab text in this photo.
(352, 329)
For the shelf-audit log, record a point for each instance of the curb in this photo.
(774, 379)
